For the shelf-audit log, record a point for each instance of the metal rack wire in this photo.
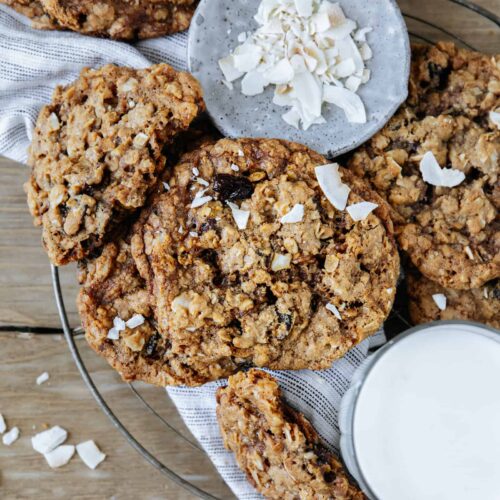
(420, 30)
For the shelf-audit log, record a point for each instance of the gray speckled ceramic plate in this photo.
(237, 115)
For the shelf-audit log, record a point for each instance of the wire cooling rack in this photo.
(479, 25)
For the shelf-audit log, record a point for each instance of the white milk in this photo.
(427, 420)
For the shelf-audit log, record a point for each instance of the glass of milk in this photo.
(421, 420)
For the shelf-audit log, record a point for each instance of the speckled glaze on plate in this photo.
(213, 34)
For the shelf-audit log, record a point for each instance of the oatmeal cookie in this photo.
(34, 10)
(276, 446)
(118, 19)
(97, 151)
(112, 290)
(122, 19)
(451, 234)
(446, 79)
(477, 304)
(264, 292)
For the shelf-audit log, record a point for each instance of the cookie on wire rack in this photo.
(99, 148)
(276, 446)
(233, 279)
(440, 177)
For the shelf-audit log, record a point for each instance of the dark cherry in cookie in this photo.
(276, 447)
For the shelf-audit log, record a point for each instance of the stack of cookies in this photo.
(200, 257)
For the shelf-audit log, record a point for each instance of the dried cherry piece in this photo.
(232, 187)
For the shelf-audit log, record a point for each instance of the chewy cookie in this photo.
(450, 233)
(112, 294)
(118, 19)
(276, 447)
(478, 304)
(34, 10)
(215, 304)
(446, 79)
(222, 265)
(98, 149)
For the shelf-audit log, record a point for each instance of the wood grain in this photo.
(26, 299)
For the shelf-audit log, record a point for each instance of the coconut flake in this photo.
(296, 214)
(360, 35)
(333, 310)
(202, 181)
(113, 334)
(240, 216)
(360, 211)
(348, 101)
(119, 324)
(60, 456)
(433, 174)
(234, 167)
(280, 73)
(495, 117)
(281, 261)
(90, 454)
(302, 45)
(46, 441)
(10, 437)
(332, 186)
(226, 64)
(440, 300)
(166, 186)
(135, 321)
(3, 426)
(304, 7)
(195, 171)
(253, 83)
(200, 199)
(469, 253)
(42, 378)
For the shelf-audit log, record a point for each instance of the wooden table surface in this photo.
(26, 300)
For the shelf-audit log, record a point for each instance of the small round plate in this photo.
(213, 35)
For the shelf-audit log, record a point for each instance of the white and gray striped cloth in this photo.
(32, 63)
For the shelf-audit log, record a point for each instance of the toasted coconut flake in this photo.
(332, 186)
(135, 321)
(240, 216)
(296, 214)
(334, 310)
(360, 211)
(281, 261)
(495, 118)
(433, 174)
(302, 45)
(440, 300)
(119, 324)
(90, 454)
(46, 441)
(348, 101)
(113, 334)
(60, 456)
